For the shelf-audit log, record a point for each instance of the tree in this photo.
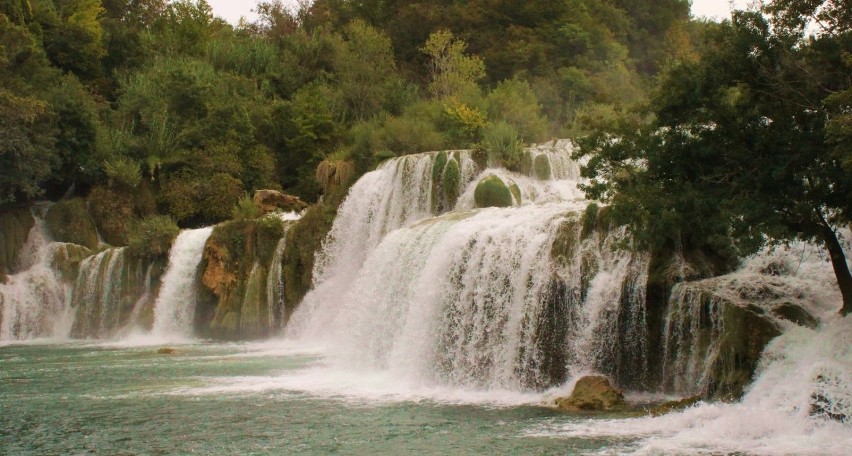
(737, 148)
(452, 72)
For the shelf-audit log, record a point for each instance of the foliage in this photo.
(464, 124)
(492, 192)
(245, 209)
(514, 102)
(123, 172)
(503, 145)
(69, 221)
(738, 148)
(112, 210)
(453, 73)
(152, 236)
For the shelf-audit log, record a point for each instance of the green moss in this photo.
(516, 192)
(525, 166)
(542, 167)
(152, 237)
(492, 192)
(304, 239)
(438, 167)
(69, 221)
(451, 182)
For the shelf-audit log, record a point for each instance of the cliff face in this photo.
(238, 297)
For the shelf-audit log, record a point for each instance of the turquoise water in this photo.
(80, 398)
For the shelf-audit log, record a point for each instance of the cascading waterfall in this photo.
(473, 298)
(35, 301)
(174, 309)
(110, 292)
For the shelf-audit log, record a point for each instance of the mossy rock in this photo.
(69, 221)
(516, 191)
(15, 226)
(112, 211)
(592, 393)
(541, 165)
(746, 333)
(492, 192)
(67, 260)
(796, 314)
(451, 182)
(525, 166)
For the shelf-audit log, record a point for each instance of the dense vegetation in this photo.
(151, 107)
(718, 137)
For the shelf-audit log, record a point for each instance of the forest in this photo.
(717, 136)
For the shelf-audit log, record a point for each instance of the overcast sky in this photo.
(232, 10)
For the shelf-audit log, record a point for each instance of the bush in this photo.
(245, 209)
(152, 236)
(503, 145)
(492, 192)
(123, 172)
(69, 221)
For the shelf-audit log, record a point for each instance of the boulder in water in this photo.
(271, 200)
(167, 351)
(592, 393)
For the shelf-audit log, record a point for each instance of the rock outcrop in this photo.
(272, 200)
(15, 226)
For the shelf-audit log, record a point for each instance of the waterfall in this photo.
(174, 309)
(110, 292)
(515, 298)
(35, 301)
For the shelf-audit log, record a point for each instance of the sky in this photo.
(232, 10)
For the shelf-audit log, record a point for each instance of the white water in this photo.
(465, 298)
(774, 417)
(174, 309)
(35, 301)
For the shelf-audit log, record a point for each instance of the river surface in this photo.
(265, 398)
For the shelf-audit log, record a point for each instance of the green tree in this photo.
(737, 147)
(452, 72)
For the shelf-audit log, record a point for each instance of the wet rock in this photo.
(67, 259)
(167, 351)
(675, 406)
(796, 314)
(15, 226)
(271, 200)
(592, 393)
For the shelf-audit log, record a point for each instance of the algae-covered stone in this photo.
(542, 167)
(69, 221)
(592, 393)
(492, 192)
(675, 406)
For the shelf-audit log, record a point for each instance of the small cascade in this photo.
(772, 291)
(174, 309)
(35, 301)
(276, 305)
(110, 292)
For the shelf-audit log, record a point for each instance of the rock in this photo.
(796, 314)
(271, 200)
(541, 165)
(67, 258)
(492, 192)
(69, 221)
(167, 351)
(334, 173)
(15, 226)
(592, 393)
(675, 406)
(823, 404)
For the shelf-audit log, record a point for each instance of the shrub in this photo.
(112, 211)
(492, 192)
(245, 209)
(152, 236)
(503, 145)
(123, 172)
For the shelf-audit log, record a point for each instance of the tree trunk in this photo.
(841, 269)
